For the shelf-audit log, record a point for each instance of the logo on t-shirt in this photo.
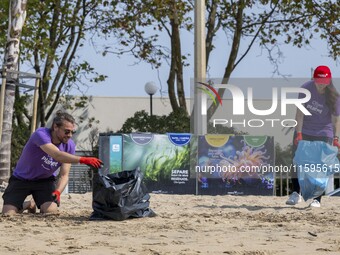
(315, 107)
(49, 161)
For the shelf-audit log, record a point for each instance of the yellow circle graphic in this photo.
(217, 140)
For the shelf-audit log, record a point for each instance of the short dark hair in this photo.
(60, 116)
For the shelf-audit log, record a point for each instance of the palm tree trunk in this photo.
(17, 16)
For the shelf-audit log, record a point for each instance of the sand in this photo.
(185, 224)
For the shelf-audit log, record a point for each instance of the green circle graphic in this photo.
(255, 141)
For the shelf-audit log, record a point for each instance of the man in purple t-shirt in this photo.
(322, 125)
(47, 150)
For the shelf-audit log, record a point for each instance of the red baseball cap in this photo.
(322, 75)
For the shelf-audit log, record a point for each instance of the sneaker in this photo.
(315, 203)
(294, 199)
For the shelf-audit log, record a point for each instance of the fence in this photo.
(80, 179)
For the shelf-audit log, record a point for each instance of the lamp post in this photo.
(150, 88)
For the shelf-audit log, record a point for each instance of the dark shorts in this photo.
(17, 191)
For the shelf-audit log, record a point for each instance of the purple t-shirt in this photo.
(320, 122)
(34, 163)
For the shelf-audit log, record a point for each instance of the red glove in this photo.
(297, 138)
(94, 162)
(336, 142)
(56, 197)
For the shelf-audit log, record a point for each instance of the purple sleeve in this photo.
(72, 148)
(337, 107)
(40, 138)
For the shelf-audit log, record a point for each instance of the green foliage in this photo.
(4, 5)
(20, 135)
(54, 32)
(20, 128)
(136, 27)
(220, 129)
(283, 156)
(177, 122)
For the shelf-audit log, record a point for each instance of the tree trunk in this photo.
(176, 68)
(173, 71)
(211, 30)
(17, 16)
(178, 58)
(233, 54)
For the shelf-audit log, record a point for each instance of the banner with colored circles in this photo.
(239, 165)
(178, 163)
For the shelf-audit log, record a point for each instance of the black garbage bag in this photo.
(120, 196)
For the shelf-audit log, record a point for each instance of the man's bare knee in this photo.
(9, 210)
(49, 207)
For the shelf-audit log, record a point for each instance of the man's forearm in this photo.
(65, 157)
(63, 180)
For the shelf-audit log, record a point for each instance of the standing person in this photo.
(322, 125)
(47, 150)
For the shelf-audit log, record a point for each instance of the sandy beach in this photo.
(185, 224)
